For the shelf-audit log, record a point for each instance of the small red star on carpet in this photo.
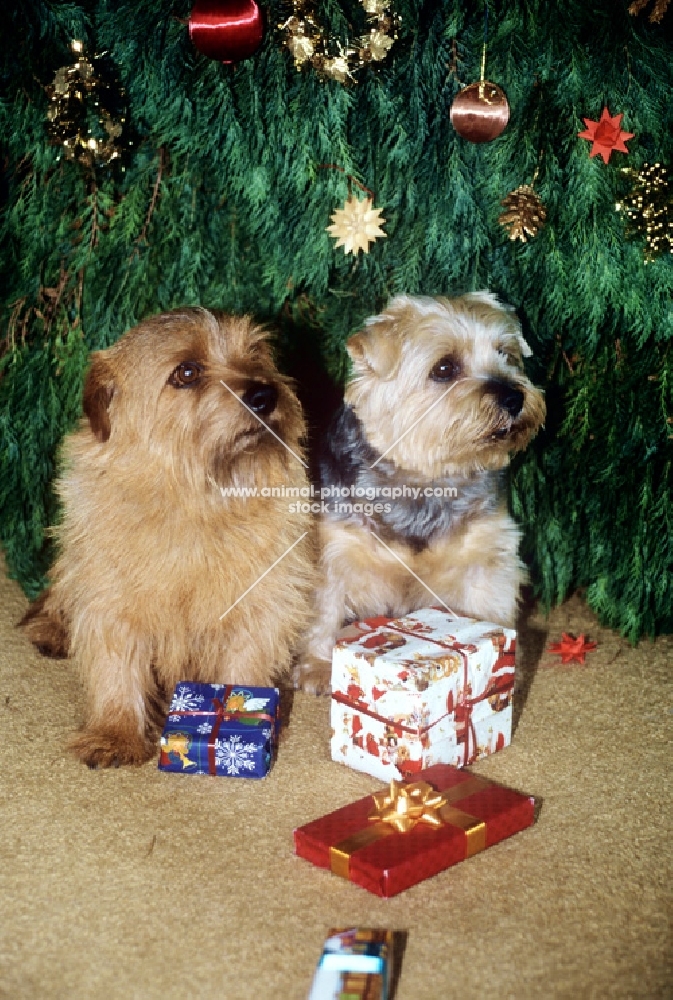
(571, 649)
(605, 135)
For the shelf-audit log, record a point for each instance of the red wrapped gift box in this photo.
(392, 840)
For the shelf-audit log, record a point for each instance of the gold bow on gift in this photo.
(406, 805)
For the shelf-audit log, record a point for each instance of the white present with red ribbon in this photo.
(428, 688)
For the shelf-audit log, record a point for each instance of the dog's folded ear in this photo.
(491, 299)
(374, 351)
(98, 393)
(525, 349)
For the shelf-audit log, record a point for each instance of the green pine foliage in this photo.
(223, 195)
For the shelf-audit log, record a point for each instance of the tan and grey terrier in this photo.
(163, 575)
(411, 471)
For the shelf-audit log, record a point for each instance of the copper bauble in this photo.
(480, 112)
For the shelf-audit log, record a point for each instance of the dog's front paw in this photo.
(312, 675)
(111, 748)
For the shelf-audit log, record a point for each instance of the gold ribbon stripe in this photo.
(340, 854)
(473, 827)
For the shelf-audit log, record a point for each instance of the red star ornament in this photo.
(605, 135)
(571, 649)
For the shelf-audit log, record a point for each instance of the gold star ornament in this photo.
(356, 225)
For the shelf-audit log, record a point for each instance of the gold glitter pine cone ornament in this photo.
(356, 225)
(524, 214)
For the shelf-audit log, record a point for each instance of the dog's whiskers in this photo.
(422, 416)
(265, 425)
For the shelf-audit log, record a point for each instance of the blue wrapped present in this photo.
(220, 729)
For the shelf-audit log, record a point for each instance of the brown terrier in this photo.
(164, 574)
(411, 470)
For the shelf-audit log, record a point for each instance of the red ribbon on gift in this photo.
(464, 707)
(222, 715)
(463, 714)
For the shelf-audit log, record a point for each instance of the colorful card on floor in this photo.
(356, 964)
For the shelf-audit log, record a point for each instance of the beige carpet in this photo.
(141, 884)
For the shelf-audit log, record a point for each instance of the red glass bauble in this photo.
(227, 30)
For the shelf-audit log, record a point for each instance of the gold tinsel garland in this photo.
(83, 115)
(308, 42)
(649, 209)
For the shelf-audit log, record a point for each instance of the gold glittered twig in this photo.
(658, 11)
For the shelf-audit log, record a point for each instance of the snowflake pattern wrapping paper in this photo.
(228, 730)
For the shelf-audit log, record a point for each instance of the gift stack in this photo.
(425, 689)
(220, 729)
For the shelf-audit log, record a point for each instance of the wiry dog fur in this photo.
(152, 554)
(438, 398)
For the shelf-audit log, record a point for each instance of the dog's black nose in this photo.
(510, 398)
(261, 398)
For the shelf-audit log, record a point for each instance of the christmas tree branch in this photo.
(153, 202)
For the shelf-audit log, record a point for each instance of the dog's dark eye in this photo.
(185, 375)
(446, 369)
